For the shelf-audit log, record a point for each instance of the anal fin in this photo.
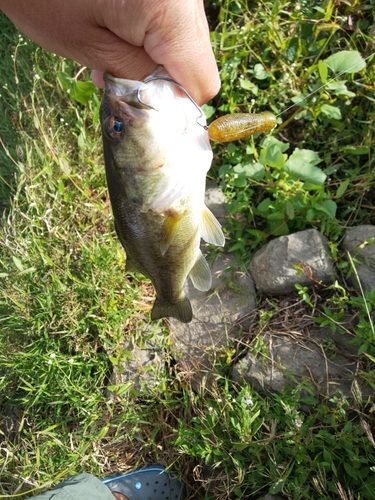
(211, 228)
(200, 274)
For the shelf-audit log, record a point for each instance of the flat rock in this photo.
(291, 360)
(142, 371)
(216, 201)
(360, 242)
(302, 258)
(216, 319)
(338, 341)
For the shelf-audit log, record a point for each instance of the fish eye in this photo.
(115, 127)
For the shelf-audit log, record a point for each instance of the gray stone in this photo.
(338, 341)
(216, 201)
(291, 360)
(302, 258)
(360, 243)
(143, 370)
(215, 322)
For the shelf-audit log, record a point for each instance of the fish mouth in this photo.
(128, 91)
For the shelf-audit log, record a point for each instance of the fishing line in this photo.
(231, 127)
(322, 86)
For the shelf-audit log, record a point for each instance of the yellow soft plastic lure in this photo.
(240, 125)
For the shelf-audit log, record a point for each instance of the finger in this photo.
(186, 50)
(97, 78)
(108, 53)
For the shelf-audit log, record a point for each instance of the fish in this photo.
(156, 156)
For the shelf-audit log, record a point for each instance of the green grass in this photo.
(66, 305)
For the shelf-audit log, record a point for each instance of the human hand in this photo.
(126, 38)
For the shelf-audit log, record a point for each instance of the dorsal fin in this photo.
(200, 274)
(211, 229)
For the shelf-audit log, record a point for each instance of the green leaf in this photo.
(371, 358)
(64, 79)
(350, 470)
(240, 181)
(240, 446)
(247, 85)
(82, 91)
(264, 205)
(323, 71)
(307, 173)
(356, 150)
(28, 270)
(342, 188)
(310, 214)
(78, 90)
(208, 110)
(301, 165)
(289, 210)
(309, 400)
(331, 111)
(237, 246)
(18, 264)
(277, 224)
(346, 61)
(272, 141)
(256, 233)
(272, 156)
(251, 170)
(260, 73)
(329, 207)
(339, 88)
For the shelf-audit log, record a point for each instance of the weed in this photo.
(66, 304)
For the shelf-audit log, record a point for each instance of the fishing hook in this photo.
(167, 79)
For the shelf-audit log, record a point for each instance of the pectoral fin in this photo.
(200, 274)
(211, 229)
(170, 226)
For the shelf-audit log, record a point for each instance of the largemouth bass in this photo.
(156, 157)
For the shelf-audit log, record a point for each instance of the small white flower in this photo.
(71, 360)
(49, 362)
(210, 408)
(249, 402)
(298, 423)
(219, 400)
(36, 76)
(52, 355)
(62, 120)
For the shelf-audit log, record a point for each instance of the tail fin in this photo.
(180, 310)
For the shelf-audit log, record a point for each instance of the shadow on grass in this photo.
(16, 83)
